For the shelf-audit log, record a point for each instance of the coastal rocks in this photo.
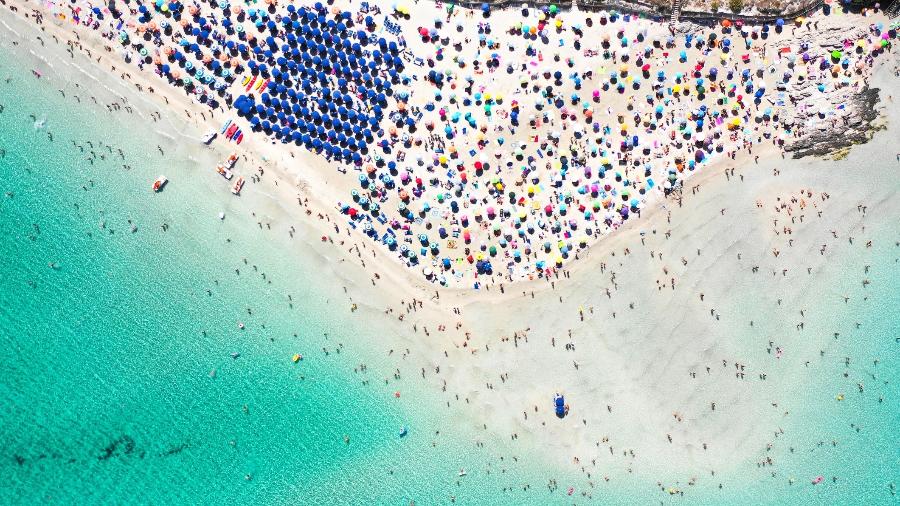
(854, 127)
(830, 117)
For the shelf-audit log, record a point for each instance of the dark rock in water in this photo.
(857, 129)
(111, 451)
(175, 450)
(108, 451)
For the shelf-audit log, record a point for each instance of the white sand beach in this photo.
(682, 340)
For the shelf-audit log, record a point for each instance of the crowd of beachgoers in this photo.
(496, 145)
(690, 360)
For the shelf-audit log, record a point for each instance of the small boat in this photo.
(250, 84)
(225, 126)
(231, 160)
(231, 130)
(818, 479)
(462, 472)
(245, 81)
(403, 431)
(240, 137)
(236, 189)
(209, 136)
(223, 171)
(297, 357)
(159, 183)
(236, 133)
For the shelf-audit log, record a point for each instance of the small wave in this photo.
(10, 29)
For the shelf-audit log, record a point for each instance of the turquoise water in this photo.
(852, 442)
(107, 355)
(109, 339)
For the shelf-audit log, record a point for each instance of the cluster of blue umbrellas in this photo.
(311, 62)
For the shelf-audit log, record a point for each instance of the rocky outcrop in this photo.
(854, 127)
(826, 121)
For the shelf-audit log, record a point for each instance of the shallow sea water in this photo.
(107, 387)
(106, 378)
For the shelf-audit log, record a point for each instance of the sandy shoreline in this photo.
(641, 328)
(329, 187)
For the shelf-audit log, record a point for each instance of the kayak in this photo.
(250, 84)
